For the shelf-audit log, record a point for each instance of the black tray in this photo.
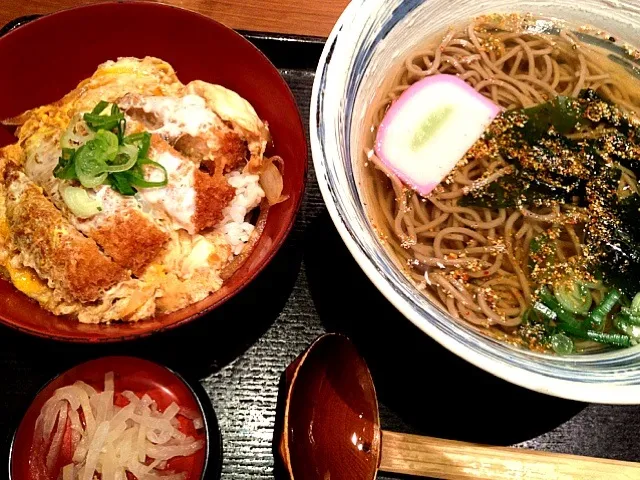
(313, 285)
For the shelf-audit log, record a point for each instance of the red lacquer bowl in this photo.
(44, 59)
(139, 376)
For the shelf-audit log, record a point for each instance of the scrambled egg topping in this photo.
(164, 248)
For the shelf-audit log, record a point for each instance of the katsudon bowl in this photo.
(48, 57)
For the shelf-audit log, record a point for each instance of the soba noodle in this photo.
(472, 260)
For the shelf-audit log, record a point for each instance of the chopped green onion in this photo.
(105, 156)
(545, 311)
(635, 304)
(120, 184)
(574, 296)
(66, 168)
(108, 143)
(141, 140)
(622, 323)
(126, 158)
(100, 107)
(122, 126)
(80, 203)
(561, 344)
(136, 178)
(597, 317)
(550, 301)
(90, 168)
(616, 339)
(100, 121)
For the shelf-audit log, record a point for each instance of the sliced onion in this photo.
(80, 203)
(271, 181)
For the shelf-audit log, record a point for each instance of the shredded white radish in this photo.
(142, 434)
(198, 423)
(88, 389)
(171, 411)
(76, 428)
(108, 382)
(165, 452)
(68, 472)
(110, 441)
(93, 454)
(56, 443)
(70, 394)
(50, 416)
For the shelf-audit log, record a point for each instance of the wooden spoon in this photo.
(331, 431)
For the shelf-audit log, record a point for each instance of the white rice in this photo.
(249, 194)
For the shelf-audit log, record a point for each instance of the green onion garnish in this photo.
(561, 344)
(106, 156)
(126, 157)
(100, 121)
(80, 203)
(574, 297)
(141, 140)
(598, 315)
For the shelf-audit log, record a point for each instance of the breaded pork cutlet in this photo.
(219, 151)
(49, 243)
(125, 233)
(193, 199)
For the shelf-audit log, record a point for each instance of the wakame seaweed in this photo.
(572, 150)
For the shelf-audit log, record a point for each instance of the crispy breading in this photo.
(219, 151)
(130, 239)
(237, 114)
(213, 193)
(52, 246)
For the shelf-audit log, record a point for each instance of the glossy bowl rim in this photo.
(273, 249)
(210, 470)
(568, 389)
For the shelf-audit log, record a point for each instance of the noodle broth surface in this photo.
(474, 262)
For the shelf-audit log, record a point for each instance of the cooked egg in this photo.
(181, 235)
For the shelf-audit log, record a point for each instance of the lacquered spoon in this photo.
(331, 431)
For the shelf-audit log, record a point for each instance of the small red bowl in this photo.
(47, 58)
(140, 376)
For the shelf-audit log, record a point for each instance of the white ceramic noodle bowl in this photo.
(370, 38)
